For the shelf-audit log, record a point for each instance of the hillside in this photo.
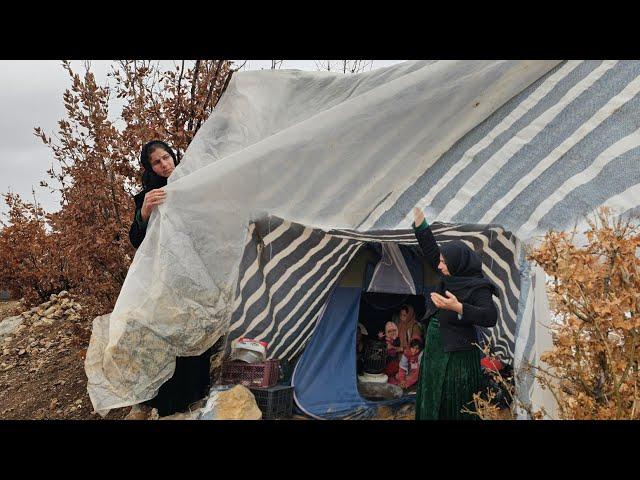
(42, 368)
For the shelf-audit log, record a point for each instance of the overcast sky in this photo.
(31, 95)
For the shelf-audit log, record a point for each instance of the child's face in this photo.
(391, 333)
(414, 350)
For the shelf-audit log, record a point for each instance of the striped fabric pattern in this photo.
(551, 155)
(288, 270)
(548, 157)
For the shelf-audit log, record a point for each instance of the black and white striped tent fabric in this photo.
(288, 270)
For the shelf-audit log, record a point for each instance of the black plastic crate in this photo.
(274, 402)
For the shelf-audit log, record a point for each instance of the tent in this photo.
(294, 171)
(299, 289)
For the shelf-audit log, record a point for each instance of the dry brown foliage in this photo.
(594, 293)
(84, 247)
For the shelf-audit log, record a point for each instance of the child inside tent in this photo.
(393, 349)
(407, 375)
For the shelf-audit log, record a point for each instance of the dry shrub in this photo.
(594, 293)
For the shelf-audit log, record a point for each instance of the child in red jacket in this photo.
(407, 375)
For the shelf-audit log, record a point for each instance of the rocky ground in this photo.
(42, 362)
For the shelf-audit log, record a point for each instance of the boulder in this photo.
(63, 293)
(10, 324)
(49, 311)
(237, 403)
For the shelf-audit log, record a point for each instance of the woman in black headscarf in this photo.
(191, 379)
(158, 161)
(450, 372)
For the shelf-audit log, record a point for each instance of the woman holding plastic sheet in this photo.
(191, 379)
(450, 371)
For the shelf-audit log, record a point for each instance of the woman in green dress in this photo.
(450, 371)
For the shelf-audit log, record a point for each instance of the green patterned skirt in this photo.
(448, 380)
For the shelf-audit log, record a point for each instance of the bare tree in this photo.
(344, 66)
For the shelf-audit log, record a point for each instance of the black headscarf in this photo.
(150, 179)
(465, 268)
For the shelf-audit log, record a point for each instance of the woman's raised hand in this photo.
(450, 302)
(152, 199)
(418, 216)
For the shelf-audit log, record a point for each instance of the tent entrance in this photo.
(325, 378)
(371, 290)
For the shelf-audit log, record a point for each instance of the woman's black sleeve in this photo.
(137, 231)
(429, 247)
(480, 309)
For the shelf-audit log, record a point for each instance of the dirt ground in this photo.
(42, 371)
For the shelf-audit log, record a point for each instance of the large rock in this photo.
(10, 324)
(237, 403)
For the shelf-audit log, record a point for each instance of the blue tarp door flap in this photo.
(325, 384)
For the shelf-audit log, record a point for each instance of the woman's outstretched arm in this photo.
(426, 240)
